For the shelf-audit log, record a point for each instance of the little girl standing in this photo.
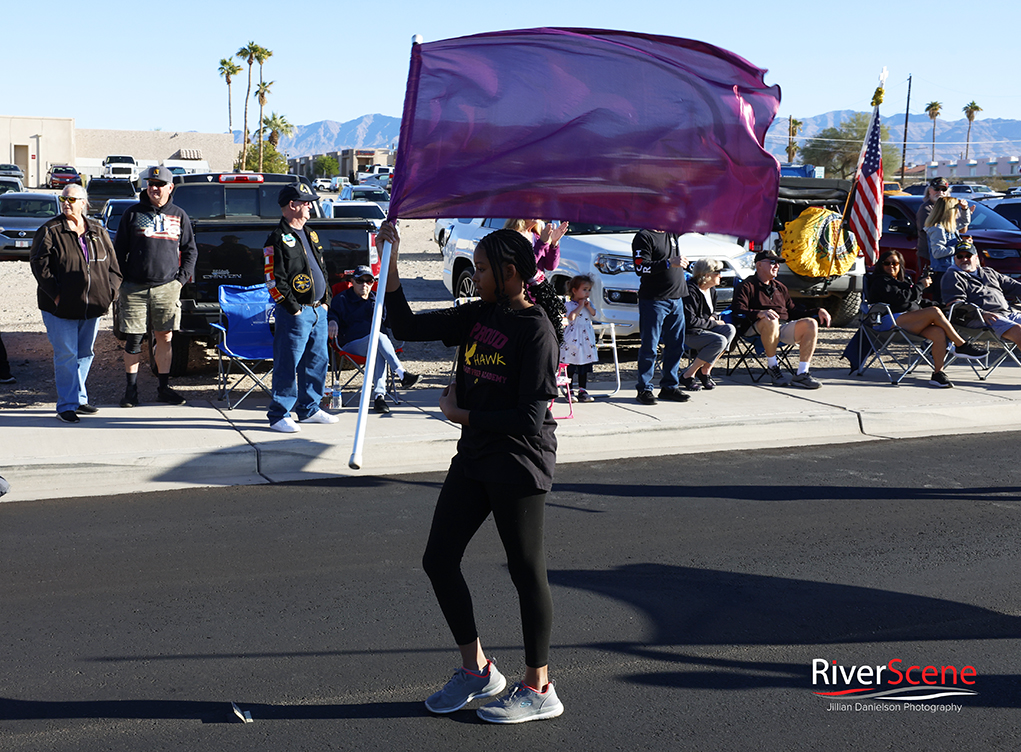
(579, 347)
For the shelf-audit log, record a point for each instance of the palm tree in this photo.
(793, 127)
(970, 110)
(261, 56)
(229, 68)
(933, 110)
(278, 126)
(247, 54)
(262, 94)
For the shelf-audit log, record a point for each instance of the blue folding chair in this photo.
(245, 340)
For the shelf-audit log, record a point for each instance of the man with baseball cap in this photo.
(985, 289)
(350, 325)
(763, 302)
(156, 250)
(296, 278)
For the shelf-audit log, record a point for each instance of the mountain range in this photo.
(989, 138)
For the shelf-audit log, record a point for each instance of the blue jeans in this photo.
(660, 320)
(300, 360)
(385, 355)
(72, 341)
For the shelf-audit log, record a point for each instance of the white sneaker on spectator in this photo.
(320, 416)
(285, 425)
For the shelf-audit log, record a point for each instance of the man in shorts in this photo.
(156, 250)
(967, 281)
(763, 302)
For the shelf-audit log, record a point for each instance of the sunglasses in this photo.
(366, 280)
(894, 264)
(963, 255)
(69, 199)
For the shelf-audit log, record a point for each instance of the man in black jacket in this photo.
(156, 250)
(296, 277)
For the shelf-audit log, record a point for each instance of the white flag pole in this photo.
(355, 463)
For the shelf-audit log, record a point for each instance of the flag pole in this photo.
(355, 463)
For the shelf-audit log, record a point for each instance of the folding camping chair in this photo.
(341, 360)
(985, 367)
(245, 340)
(896, 350)
(748, 351)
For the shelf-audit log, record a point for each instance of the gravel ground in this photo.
(31, 357)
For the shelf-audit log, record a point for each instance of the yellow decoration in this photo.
(877, 98)
(815, 245)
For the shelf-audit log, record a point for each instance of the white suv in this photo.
(604, 253)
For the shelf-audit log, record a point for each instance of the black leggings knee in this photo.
(463, 505)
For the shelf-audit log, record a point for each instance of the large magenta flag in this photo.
(607, 127)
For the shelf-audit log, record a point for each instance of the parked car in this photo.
(918, 189)
(102, 190)
(604, 253)
(444, 226)
(360, 209)
(12, 170)
(337, 183)
(366, 193)
(973, 191)
(322, 184)
(892, 188)
(60, 175)
(1013, 192)
(997, 239)
(112, 213)
(8, 184)
(1009, 209)
(21, 214)
(120, 166)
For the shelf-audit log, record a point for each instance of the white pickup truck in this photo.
(604, 253)
(120, 166)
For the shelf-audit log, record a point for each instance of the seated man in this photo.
(350, 319)
(967, 281)
(763, 302)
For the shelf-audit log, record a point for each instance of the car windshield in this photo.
(583, 228)
(63, 170)
(8, 167)
(372, 194)
(112, 188)
(120, 160)
(28, 207)
(367, 211)
(984, 218)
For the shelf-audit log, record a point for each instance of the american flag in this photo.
(866, 214)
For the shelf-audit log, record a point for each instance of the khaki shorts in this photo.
(787, 332)
(140, 305)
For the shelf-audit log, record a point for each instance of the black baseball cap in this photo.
(295, 192)
(767, 256)
(940, 183)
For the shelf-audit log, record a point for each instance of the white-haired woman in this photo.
(705, 333)
(76, 268)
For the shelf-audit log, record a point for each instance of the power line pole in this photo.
(904, 148)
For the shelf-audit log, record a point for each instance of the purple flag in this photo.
(606, 127)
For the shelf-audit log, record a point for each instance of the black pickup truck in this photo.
(232, 215)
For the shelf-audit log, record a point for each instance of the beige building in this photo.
(350, 160)
(35, 144)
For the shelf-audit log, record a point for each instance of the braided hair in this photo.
(510, 247)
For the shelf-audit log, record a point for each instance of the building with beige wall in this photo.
(37, 143)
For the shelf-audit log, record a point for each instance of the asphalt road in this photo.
(692, 593)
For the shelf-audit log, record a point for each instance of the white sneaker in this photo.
(285, 425)
(320, 416)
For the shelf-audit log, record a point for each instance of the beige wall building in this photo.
(37, 143)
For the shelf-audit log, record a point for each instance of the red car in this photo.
(997, 239)
(60, 175)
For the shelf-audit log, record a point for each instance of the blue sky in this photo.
(142, 66)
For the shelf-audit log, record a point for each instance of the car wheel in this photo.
(465, 287)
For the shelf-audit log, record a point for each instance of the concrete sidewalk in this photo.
(155, 447)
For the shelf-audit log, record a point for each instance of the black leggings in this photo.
(463, 506)
(582, 372)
